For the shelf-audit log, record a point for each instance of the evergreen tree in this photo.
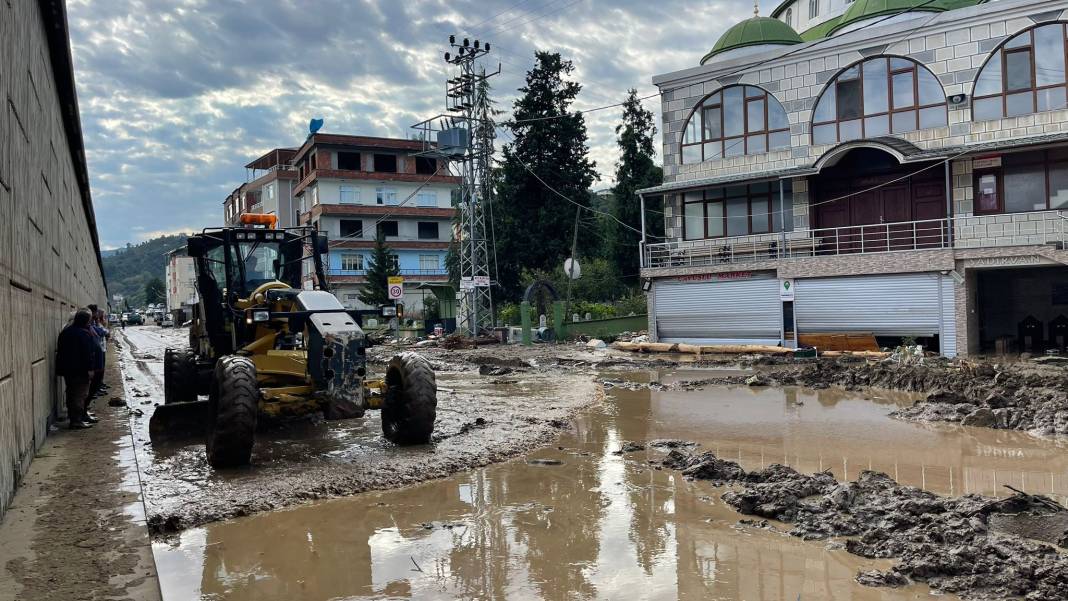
(376, 291)
(533, 224)
(155, 291)
(635, 170)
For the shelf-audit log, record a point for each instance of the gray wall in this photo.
(48, 252)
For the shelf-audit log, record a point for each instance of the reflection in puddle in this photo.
(603, 525)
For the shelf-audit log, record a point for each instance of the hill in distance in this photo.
(129, 269)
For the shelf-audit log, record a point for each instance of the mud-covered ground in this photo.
(973, 546)
(490, 407)
(1030, 396)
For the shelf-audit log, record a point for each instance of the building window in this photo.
(878, 97)
(1026, 75)
(388, 228)
(315, 196)
(735, 121)
(386, 196)
(348, 161)
(813, 9)
(429, 263)
(789, 18)
(352, 262)
(427, 199)
(1026, 181)
(426, 165)
(268, 191)
(351, 228)
(428, 230)
(394, 262)
(349, 194)
(385, 163)
(735, 211)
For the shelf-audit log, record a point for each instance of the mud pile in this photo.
(949, 543)
(1027, 397)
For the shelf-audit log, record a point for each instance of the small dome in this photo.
(755, 31)
(862, 10)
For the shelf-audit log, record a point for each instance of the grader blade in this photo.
(180, 420)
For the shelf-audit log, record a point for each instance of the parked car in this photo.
(167, 322)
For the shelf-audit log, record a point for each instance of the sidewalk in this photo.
(76, 528)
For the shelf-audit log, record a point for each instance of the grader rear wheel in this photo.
(234, 407)
(411, 400)
(179, 376)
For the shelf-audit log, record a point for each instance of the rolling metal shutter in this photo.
(738, 312)
(886, 305)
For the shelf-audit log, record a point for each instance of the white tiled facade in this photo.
(952, 45)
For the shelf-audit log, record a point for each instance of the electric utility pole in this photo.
(461, 139)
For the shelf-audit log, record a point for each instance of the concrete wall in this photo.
(48, 252)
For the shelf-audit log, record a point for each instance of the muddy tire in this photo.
(411, 401)
(179, 376)
(234, 407)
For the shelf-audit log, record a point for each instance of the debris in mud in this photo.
(952, 544)
(545, 462)
(756, 380)
(480, 422)
(116, 402)
(672, 443)
(630, 447)
(494, 370)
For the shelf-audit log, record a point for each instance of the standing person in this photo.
(74, 361)
(100, 336)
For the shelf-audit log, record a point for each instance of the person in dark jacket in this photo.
(100, 338)
(75, 351)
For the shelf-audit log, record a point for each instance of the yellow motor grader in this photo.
(261, 344)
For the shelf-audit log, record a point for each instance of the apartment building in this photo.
(894, 168)
(181, 278)
(269, 189)
(354, 186)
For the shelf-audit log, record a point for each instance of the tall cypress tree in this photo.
(534, 223)
(376, 291)
(635, 170)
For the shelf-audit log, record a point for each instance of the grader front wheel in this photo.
(234, 407)
(411, 400)
(179, 376)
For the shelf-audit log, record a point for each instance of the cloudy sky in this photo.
(177, 95)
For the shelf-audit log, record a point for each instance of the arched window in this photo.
(789, 20)
(735, 121)
(877, 97)
(1026, 75)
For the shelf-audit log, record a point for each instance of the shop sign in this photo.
(717, 277)
(986, 162)
(786, 289)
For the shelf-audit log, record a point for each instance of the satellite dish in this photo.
(315, 125)
(572, 269)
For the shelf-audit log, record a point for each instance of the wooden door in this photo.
(897, 208)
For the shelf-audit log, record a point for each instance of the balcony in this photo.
(982, 231)
(413, 273)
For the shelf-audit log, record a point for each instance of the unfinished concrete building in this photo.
(896, 169)
(49, 252)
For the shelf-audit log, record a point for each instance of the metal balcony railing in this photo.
(1013, 229)
(403, 272)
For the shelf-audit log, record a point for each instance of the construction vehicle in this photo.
(268, 340)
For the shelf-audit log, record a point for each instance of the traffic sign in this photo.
(482, 281)
(396, 291)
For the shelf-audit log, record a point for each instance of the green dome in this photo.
(752, 32)
(861, 10)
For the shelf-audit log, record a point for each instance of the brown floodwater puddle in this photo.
(608, 526)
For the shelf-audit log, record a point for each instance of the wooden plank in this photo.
(840, 341)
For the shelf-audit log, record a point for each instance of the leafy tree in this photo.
(533, 223)
(155, 291)
(635, 170)
(376, 291)
(129, 269)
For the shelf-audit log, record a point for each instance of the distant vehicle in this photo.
(134, 319)
(167, 322)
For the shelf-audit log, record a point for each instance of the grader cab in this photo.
(260, 344)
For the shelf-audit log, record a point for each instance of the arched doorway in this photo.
(871, 199)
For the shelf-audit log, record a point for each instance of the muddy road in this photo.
(481, 419)
(582, 519)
